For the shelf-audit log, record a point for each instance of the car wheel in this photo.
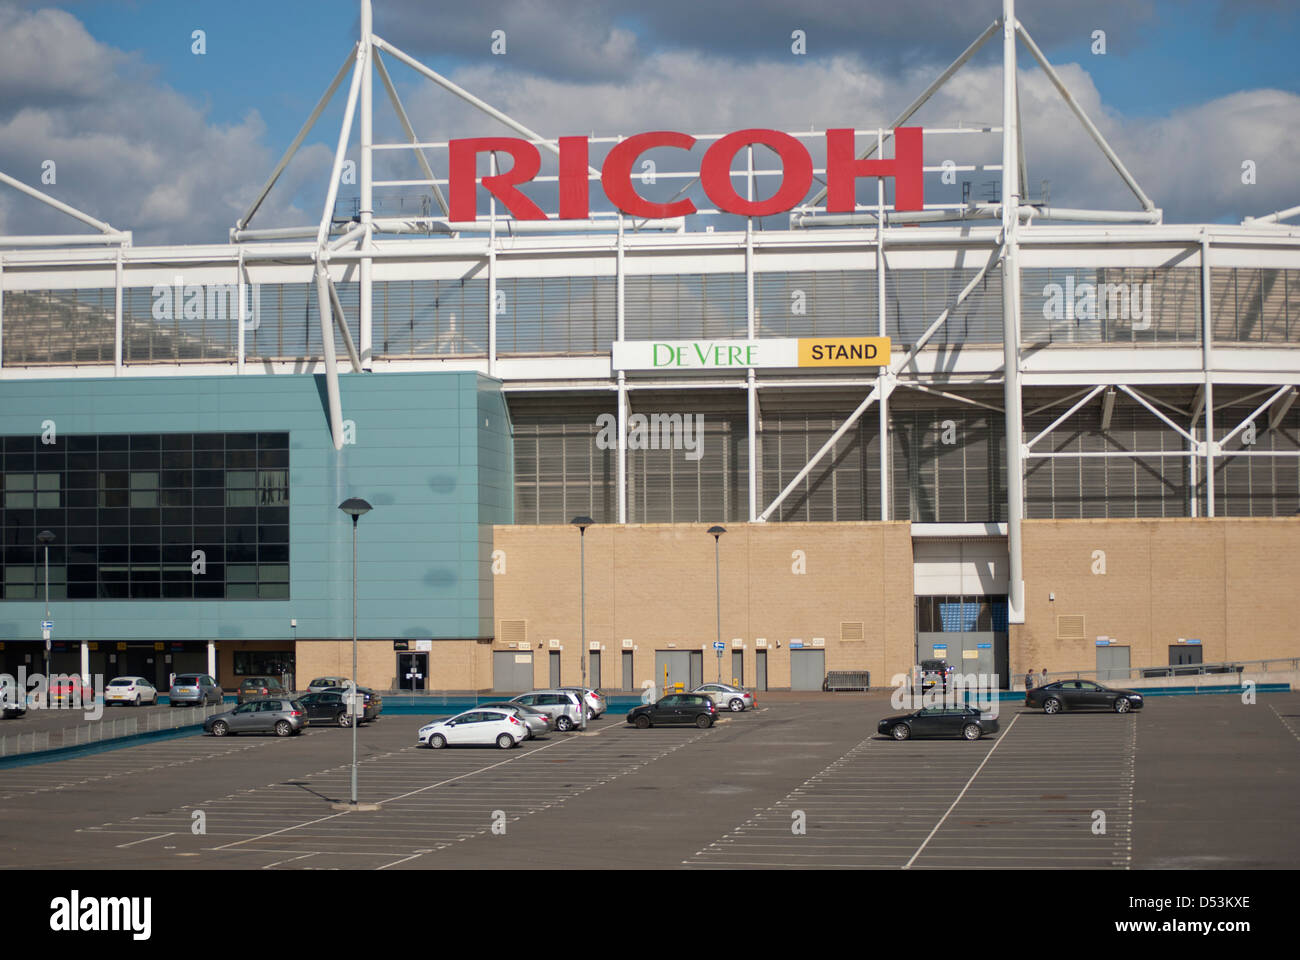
(283, 728)
(971, 731)
(901, 731)
(642, 722)
(1051, 705)
(137, 700)
(1122, 705)
(220, 728)
(505, 741)
(564, 724)
(737, 705)
(704, 721)
(343, 720)
(437, 741)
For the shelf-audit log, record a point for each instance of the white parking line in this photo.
(962, 794)
(160, 836)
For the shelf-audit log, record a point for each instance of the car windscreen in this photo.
(186, 680)
(121, 682)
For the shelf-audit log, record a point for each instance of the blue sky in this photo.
(122, 80)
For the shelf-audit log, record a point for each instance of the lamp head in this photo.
(355, 508)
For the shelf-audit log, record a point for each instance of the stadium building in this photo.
(1001, 433)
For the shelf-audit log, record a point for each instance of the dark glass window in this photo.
(128, 513)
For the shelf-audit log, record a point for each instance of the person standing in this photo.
(1042, 681)
(1029, 679)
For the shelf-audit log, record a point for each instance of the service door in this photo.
(512, 671)
(760, 669)
(697, 669)
(593, 670)
(807, 669)
(1112, 665)
(555, 668)
(629, 680)
(678, 666)
(737, 668)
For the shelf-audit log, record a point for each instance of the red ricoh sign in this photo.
(843, 169)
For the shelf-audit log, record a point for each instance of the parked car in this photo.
(254, 688)
(374, 703)
(596, 705)
(964, 722)
(12, 701)
(477, 726)
(325, 683)
(1081, 695)
(279, 715)
(70, 691)
(195, 688)
(328, 706)
(934, 672)
(696, 708)
(537, 722)
(726, 696)
(132, 690)
(561, 706)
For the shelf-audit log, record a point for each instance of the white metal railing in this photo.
(1233, 668)
(99, 731)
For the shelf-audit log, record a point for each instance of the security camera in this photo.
(294, 624)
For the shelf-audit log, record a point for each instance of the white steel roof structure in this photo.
(996, 240)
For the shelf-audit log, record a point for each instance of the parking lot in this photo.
(802, 782)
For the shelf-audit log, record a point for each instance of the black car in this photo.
(1081, 695)
(964, 722)
(693, 708)
(327, 706)
(374, 703)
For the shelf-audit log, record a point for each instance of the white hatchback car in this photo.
(132, 690)
(475, 727)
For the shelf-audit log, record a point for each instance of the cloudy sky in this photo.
(111, 99)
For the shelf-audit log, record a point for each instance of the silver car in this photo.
(727, 697)
(596, 705)
(562, 706)
(283, 717)
(537, 722)
(195, 688)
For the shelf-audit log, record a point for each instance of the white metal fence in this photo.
(99, 731)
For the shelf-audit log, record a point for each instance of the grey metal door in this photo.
(555, 669)
(738, 668)
(1112, 664)
(697, 669)
(807, 669)
(760, 670)
(593, 670)
(512, 671)
(678, 666)
(1181, 654)
(629, 681)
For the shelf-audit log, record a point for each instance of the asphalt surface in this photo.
(1188, 782)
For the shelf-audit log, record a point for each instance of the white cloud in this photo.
(126, 149)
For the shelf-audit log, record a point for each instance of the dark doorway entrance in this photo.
(412, 671)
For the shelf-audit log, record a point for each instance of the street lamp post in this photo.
(355, 508)
(46, 537)
(582, 523)
(717, 532)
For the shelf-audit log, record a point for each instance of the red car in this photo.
(70, 691)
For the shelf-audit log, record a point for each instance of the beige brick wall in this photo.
(453, 664)
(654, 584)
(1230, 582)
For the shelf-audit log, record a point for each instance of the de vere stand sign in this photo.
(676, 356)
